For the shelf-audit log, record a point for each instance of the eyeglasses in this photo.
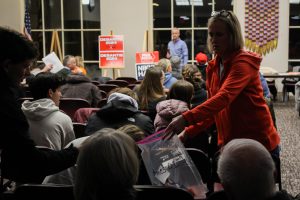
(222, 13)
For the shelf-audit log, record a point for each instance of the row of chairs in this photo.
(65, 192)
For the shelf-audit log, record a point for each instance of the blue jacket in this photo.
(169, 80)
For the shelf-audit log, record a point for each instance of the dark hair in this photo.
(181, 90)
(15, 46)
(42, 82)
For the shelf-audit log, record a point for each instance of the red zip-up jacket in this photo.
(235, 102)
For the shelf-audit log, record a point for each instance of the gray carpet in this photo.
(288, 124)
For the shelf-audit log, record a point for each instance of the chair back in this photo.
(107, 87)
(79, 129)
(120, 83)
(103, 94)
(65, 192)
(71, 105)
(44, 191)
(202, 163)
(130, 80)
(151, 192)
(21, 100)
(102, 103)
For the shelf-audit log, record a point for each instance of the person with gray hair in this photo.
(166, 67)
(107, 166)
(247, 172)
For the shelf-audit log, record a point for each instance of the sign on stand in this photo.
(111, 51)
(144, 60)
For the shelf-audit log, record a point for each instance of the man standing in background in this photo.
(178, 47)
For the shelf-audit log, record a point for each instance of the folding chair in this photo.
(107, 87)
(151, 192)
(44, 191)
(71, 105)
(120, 83)
(130, 80)
(79, 129)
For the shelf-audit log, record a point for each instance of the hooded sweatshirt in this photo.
(169, 80)
(48, 126)
(167, 110)
(235, 102)
(120, 110)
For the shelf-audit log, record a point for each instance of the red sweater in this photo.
(235, 103)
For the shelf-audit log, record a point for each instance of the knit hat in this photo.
(201, 58)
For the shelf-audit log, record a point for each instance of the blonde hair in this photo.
(107, 160)
(164, 63)
(233, 27)
(151, 87)
(133, 131)
(124, 90)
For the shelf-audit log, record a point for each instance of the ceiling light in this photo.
(85, 2)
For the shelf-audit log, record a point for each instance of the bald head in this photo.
(246, 170)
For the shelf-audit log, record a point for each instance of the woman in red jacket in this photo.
(235, 95)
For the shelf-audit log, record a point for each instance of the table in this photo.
(283, 75)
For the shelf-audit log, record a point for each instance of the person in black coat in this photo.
(120, 110)
(21, 161)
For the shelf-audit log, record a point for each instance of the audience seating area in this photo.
(65, 192)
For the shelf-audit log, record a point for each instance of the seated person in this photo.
(178, 101)
(48, 126)
(70, 62)
(246, 170)
(201, 63)
(192, 74)
(176, 67)
(79, 63)
(121, 109)
(80, 86)
(21, 161)
(99, 176)
(165, 65)
(151, 91)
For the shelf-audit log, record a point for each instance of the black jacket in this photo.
(116, 114)
(21, 161)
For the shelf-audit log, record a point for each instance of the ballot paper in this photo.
(54, 60)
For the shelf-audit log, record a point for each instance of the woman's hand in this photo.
(183, 136)
(176, 126)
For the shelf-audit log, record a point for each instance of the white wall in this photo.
(278, 58)
(129, 18)
(12, 14)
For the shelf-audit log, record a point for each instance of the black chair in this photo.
(289, 84)
(203, 164)
(44, 191)
(79, 129)
(103, 94)
(130, 80)
(107, 87)
(277, 162)
(65, 192)
(120, 83)
(102, 103)
(150, 192)
(71, 105)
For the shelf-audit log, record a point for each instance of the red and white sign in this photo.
(111, 51)
(147, 57)
(144, 60)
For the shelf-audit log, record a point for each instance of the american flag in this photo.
(27, 23)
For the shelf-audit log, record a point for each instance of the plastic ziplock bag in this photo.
(168, 163)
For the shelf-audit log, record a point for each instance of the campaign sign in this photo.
(111, 51)
(147, 57)
(143, 61)
(141, 70)
(111, 43)
(111, 60)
